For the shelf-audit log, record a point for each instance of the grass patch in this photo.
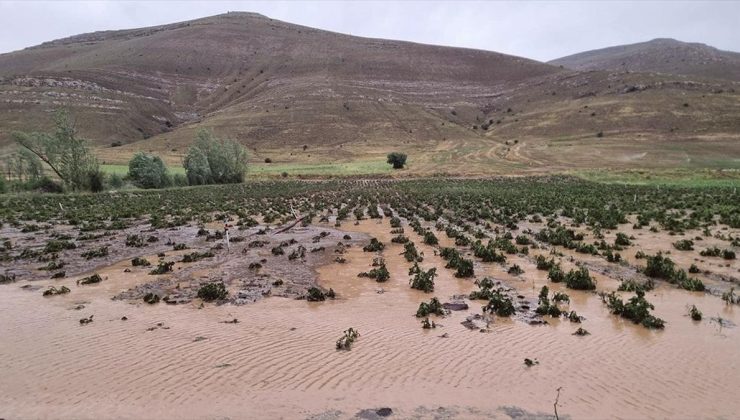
(674, 177)
(362, 167)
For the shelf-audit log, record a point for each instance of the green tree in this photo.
(398, 160)
(67, 155)
(24, 166)
(211, 160)
(148, 171)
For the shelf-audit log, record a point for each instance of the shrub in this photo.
(162, 268)
(684, 245)
(424, 280)
(711, 252)
(622, 240)
(380, 274)
(500, 304)
(485, 289)
(659, 266)
(315, 294)
(399, 239)
(695, 313)
(96, 253)
(213, 291)
(543, 263)
(556, 274)
(580, 280)
(464, 268)
(410, 252)
(427, 325)
(95, 278)
(632, 285)
(115, 181)
(347, 339)
(398, 160)
(430, 239)
(688, 283)
(581, 332)
(58, 245)
(434, 307)
(515, 270)
(134, 241)
(196, 256)
(637, 309)
(140, 262)
(373, 246)
(96, 181)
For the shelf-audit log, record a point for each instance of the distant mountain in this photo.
(661, 55)
(142, 82)
(299, 95)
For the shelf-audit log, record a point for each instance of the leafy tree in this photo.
(398, 160)
(211, 160)
(67, 155)
(24, 166)
(148, 171)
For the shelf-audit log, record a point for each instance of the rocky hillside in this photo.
(661, 55)
(304, 96)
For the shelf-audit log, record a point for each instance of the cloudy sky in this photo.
(542, 30)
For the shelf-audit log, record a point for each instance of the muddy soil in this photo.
(137, 360)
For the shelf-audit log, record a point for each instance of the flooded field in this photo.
(279, 359)
(266, 349)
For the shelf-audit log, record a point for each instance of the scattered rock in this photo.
(455, 306)
(384, 412)
(475, 322)
(176, 299)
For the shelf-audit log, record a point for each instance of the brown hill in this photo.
(304, 96)
(661, 55)
(138, 83)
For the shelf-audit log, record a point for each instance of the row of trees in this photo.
(209, 160)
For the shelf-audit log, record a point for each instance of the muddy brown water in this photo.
(279, 361)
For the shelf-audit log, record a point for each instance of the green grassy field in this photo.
(676, 177)
(373, 167)
(123, 169)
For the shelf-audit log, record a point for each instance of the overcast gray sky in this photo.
(542, 30)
